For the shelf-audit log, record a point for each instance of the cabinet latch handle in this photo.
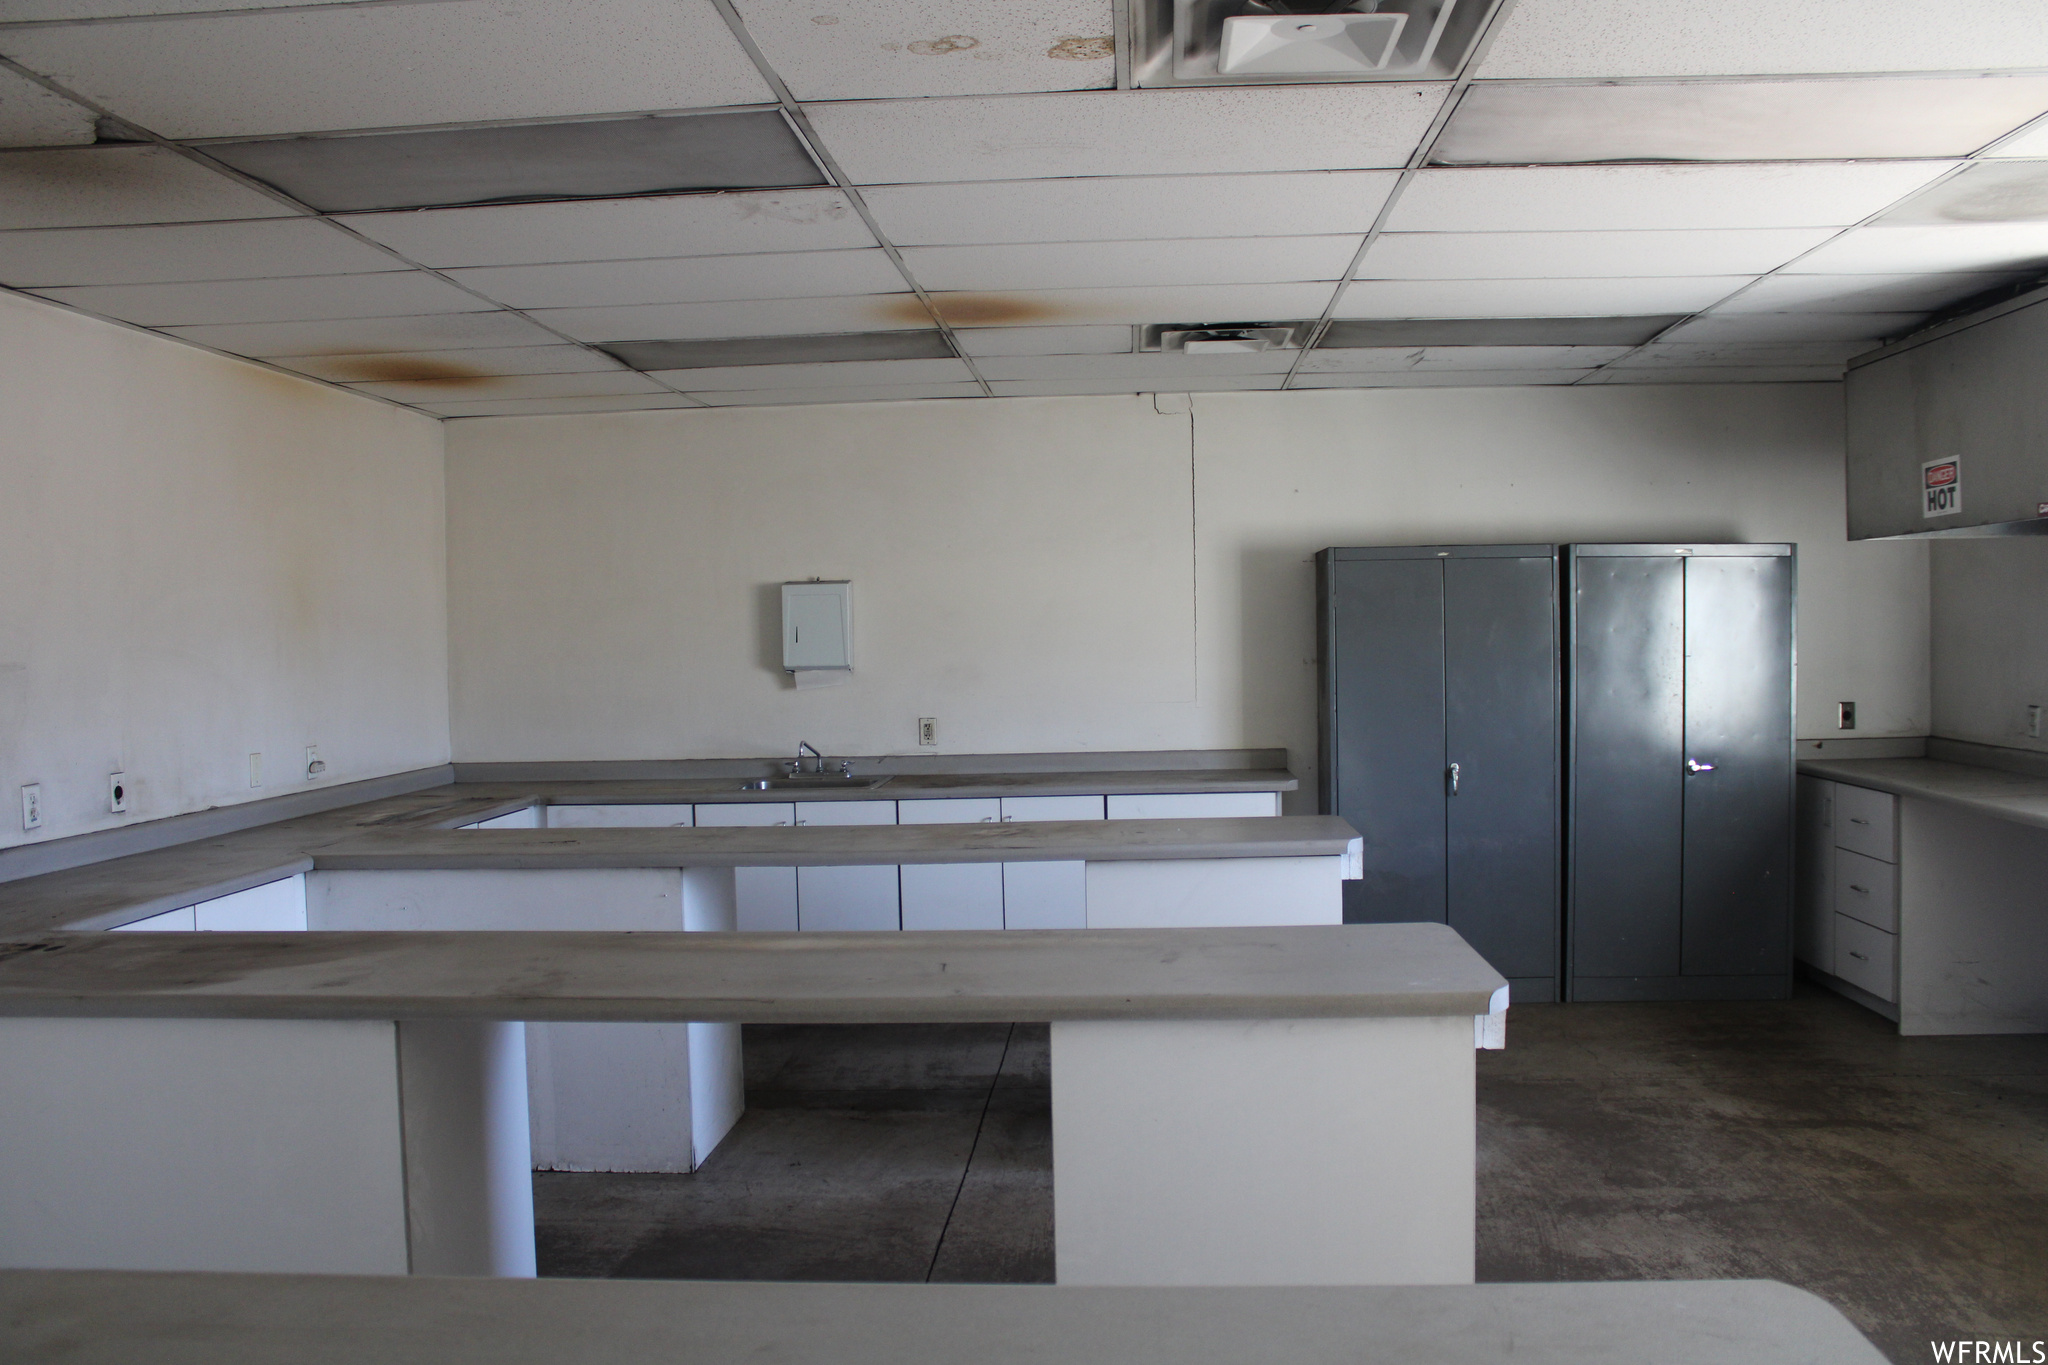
(1859, 956)
(1454, 779)
(1858, 820)
(1693, 765)
(1864, 889)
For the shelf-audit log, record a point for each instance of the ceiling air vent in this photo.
(1224, 338)
(1264, 42)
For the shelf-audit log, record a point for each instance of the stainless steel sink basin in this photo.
(812, 782)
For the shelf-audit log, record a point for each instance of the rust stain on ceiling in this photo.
(405, 369)
(974, 310)
(1082, 49)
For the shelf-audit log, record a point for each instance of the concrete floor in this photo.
(1904, 1180)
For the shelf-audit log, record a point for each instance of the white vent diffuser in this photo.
(1308, 44)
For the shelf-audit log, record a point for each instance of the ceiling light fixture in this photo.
(821, 348)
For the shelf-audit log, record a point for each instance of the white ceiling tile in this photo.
(734, 223)
(1534, 298)
(934, 47)
(120, 184)
(883, 393)
(362, 336)
(1986, 247)
(1127, 208)
(1988, 192)
(1065, 388)
(31, 116)
(482, 388)
(382, 66)
(199, 251)
(1379, 359)
(1736, 37)
(1171, 370)
(1723, 374)
(1784, 293)
(1102, 265)
(1558, 255)
(1108, 339)
(288, 300)
(410, 366)
(1190, 303)
(31, 10)
(840, 374)
(540, 407)
(2029, 141)
(756, 318)
(1439, 379)
(1128, 132)
(695, 279)
(1752, 355)
(1717, 328)
(1593, 198)
(1508, 124)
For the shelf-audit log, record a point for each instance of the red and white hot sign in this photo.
(1941, 487)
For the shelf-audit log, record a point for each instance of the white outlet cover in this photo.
(32, 806)
(117, 793)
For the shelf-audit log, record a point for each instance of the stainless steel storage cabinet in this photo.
(1680, 772)
(1440, 742)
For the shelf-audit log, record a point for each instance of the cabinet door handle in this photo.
(1454, 779)
(1858, 956)
(1693, 765)
(1864, 889)
(1858, 820)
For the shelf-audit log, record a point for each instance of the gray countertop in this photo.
(109, 1317)
(2004, 795)
(1285, 836)
(1314, 971)
(913, 786)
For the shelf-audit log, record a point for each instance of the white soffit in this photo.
(198, 251)
(1533, 298)
(1167, 303)
(1581, 198)
(1789, 327)
(1156, 369)
(383, 66)
(831, 50)
(1914, 250)
(541, 407)
(843, 374)
(31, 116)
(1105, 265)
(754, 318)
(1108, 339)
(1512, 124)
(481, 388)
(1988, 192)
(441, 365)
(361, 336)
(309, 296)
(1744, 37)
(1064, 388)
(2029, 141)
(736, 398)
(1784, 293)
(694, 279)
(1382, 359)
(1128, 132)
(92, 186)
(1124, 208)
(1545, 255)
(621, 229)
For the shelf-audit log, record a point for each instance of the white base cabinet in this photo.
(951, 895)
(847, 899)
(1047, 895)
(766, 896)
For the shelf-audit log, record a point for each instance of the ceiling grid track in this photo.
(794, 112)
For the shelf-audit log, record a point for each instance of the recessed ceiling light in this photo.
(587, 159)
(1630, 331)
(796, 350)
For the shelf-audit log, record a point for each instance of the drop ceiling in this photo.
(507, 207)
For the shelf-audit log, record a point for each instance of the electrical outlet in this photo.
(314, 767)
(1845, 718)
(32, 806)
(928, 731)
(255, 770)
(2033, 722)
(117, 793)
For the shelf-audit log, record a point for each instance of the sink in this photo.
(812, 782)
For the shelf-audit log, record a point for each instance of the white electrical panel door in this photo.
(1192, 805)
(847, 899)
(817, 625)
(1047, 895)
(765, 897)
(952, 895)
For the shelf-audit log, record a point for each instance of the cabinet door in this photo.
(1866, 957)
(1866, 889)
(1051, 807)
(1501, 730)
(951, 895)
(764, 897)
(1384, 633)
(1047, 895)
(620, 817)
(274, 908)
(1192, 805)
(1813, 921)
(1738, 811)
(845, 899)
(1627, 745)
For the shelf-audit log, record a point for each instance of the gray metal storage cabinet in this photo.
(1440, 742)
(1680, 772)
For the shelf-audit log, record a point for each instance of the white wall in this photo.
(206, 560)
(1990, 638)
(1021, 565)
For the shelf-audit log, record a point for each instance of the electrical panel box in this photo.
(817, 626)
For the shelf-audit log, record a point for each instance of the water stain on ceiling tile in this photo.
(888, 49)
(1082, 49)
(405, 369)
(1989, 192)
(976, 310)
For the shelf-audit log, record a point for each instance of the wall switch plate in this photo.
(117, 793)
(2033, 722)
(928, 731)
(1845, 716)
(32, 806)
(255, 770)
(314, 767)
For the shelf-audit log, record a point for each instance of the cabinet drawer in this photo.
(1867, 889)
(1864, 956)
(1864, 821)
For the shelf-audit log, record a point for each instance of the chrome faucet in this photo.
(803, 746)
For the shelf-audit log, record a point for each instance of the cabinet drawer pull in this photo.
(1858, 956)
(1858, 820)
(1864, 889)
